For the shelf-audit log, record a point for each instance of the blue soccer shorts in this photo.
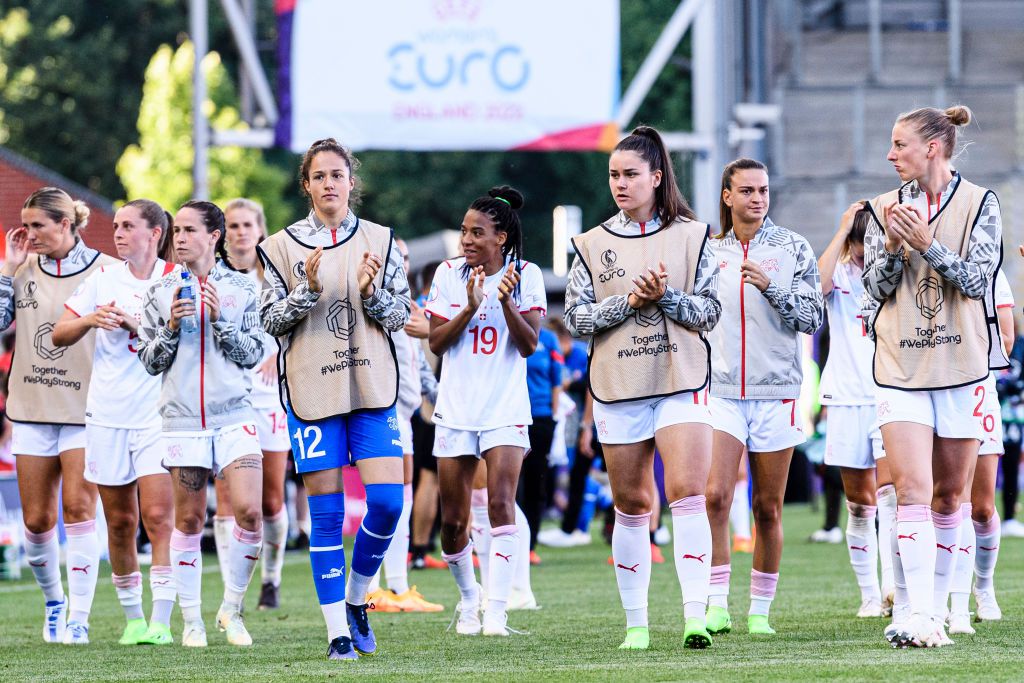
(343, 439)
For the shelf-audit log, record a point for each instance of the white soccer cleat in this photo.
(519, 600)
(555, 538)
(194, 634)
(76, 633)
(961, 623)
(988, 608)
(56, 621)
(1011, 528)
(495, 624)
(468, 615)
(233, 626)
(833, 535)
(870, 607)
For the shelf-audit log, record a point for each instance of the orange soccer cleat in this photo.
(413, 601)
(382, 600)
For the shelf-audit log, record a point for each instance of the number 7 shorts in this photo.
(344, 439)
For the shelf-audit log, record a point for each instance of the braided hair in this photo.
(502, 206)
(213, 219)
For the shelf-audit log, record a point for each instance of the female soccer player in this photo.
(852, 441)
(47, 400)
(246, 227)
(205, 348)
(770, 293)
(485, 310)
(644, 284)
(124, 445)
(931, 252)
(334, 288)
(979, 525)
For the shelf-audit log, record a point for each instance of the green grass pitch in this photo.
(574, 637)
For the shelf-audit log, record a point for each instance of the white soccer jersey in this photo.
(264, 396)
(121, 394)
(483, 376)
(1003, 295)
(847, 379)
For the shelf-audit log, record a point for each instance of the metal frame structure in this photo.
(709, 139)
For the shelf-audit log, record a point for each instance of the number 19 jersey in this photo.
(483, 376)
(121, 394)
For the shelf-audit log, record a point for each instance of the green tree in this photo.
(160, 165)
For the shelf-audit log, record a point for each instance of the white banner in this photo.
(452, 74)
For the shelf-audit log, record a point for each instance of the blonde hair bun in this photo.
(81, 214)
(959, 115)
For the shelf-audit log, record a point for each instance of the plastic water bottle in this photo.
(187, 291)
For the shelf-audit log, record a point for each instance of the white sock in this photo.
(631, 553)
(739, 513)
(164, 593)
(863, 546)
(886, 521)
(460, 564)
(336, 620)
(129, 593)
(947, 547)
(988, 535)
(243, 554)
(187, 567)
(762, 591)
(504, 556)
(691, 541)
(521, 580)
(358, 585)
(916, 539)
(222, 527)
(480, 532)
(960, 592)
(275, 535)
(718, 590)
(83, 561)
(899, 580)
(374, 585)
(43, 554)
(396, 558)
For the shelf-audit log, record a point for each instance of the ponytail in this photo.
(669, 202)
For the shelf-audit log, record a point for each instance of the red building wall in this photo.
(20, 177)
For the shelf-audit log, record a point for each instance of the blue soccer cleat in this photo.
(362, 635)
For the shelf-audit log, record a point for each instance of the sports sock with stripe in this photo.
(83, 560)
(739, 512)
(243, 554)
(504, 556)
(988, 536)
(460, 564)
(947, 547)
(129, 593)
(762, 591)
(521, 581)
(480, 531)
(718, 589)
(631, 554)
(327, 559)
(915, 536)
(275, 535)
(960, 592)
(383, 508)
(222, 527)
(862, 543)
(886, 521)
(164, 593)
(187, 568)
(396, 559)
(42, 551)
(691, 540)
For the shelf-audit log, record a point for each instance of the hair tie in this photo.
(502, 199)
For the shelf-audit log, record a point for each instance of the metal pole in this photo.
(955, 42)
(875, 39)
(245, 92)
(795, 15)
(198, 15)
(706, 165)
(858, 133)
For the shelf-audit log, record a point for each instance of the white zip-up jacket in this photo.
(755, 348)
(206, 383)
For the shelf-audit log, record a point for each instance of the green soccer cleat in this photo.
(757, 624)
(157, 634)
(637, 638)
(134, 630)
(695, 634)
(718, 620)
